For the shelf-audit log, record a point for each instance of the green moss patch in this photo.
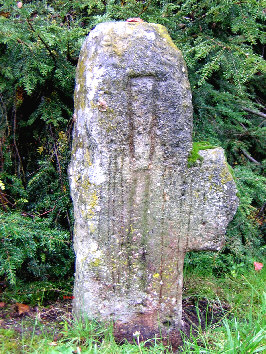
(194, 155)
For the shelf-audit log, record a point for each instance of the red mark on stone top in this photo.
(134, 19)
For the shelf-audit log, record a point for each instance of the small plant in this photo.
(194, 155)
(85, 331)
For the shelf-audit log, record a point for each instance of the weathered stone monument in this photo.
(138, 207)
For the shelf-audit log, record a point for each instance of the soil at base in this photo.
(198, 314)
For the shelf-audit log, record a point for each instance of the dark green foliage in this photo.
(38, 52)
(245, 233)
(40, 292)
(223, 44)
(31, 250)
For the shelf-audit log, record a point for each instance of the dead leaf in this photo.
(22, 308)
(53, 344)
(2, 304)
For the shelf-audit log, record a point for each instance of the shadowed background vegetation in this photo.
(224, 47)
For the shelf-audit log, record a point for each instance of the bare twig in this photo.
(144, 8)
(4, 202)
(260, 212)
(260, 114)
(69, 224)
(20, 166)
(4, 113)
(57, 159)
(242, 125)
(48, 211)
(250, 157)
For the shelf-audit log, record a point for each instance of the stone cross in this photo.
(138, 207)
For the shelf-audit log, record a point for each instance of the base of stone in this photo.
(170, 337)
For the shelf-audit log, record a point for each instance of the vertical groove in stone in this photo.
(130, 121)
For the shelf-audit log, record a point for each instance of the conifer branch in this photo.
(43, 42)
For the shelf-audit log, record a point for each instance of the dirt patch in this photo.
(41, 320)
(201, 313)
(198, 314)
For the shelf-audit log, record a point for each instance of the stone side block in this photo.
(213, 201)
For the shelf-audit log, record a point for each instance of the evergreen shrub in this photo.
(31, 250)
(223, 43)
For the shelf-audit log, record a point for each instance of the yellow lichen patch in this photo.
(96, 262)
(85, 185)
(92, 228)
(215, 187)
(81, 66)
(93, 105)
(163, 33)
(131, 229)
(111, 43)
(87, 157)
(96, 255)
(92, 205)
(107, 124)
(79, 96)
(78, 144)
(225, 175)
(119, 46)
(156, 276)
(196, 194)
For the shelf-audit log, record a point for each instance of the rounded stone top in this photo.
(131, 30)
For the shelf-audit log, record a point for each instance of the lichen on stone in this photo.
(92, 204)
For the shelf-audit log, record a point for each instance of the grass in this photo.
(243, 331)
(86, 337)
